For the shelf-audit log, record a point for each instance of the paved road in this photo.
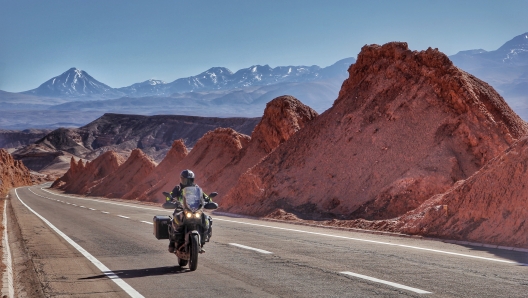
(247, 257)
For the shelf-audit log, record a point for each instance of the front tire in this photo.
(195, 249)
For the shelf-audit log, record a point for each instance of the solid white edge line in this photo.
(7, 258)
(251, 248)
(147, 222)
(390, 283)
(121, 283)
(315, 233)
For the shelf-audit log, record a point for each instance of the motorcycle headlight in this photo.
(198, 214)
(188, 214)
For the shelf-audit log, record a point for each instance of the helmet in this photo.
(187, 178)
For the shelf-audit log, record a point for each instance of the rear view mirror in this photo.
(211, 206)
(213, 194)
(167, 195)
(168, 205)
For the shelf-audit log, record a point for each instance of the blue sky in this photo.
(121, 42)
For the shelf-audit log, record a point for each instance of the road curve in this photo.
(245, 258)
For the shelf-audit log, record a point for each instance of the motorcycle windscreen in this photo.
(192, 196)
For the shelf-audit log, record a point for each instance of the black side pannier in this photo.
(161, 226)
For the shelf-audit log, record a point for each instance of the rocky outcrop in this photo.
(163, 172)
(82, 177)
(211, 153)
(221, 156)
(406, 125)
(489, 207)
(125, 177)
(12, 173)
(283, 117)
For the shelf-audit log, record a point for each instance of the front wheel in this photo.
(195, 249)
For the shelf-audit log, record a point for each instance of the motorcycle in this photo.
(193, 223)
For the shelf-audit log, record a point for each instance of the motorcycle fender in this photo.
(194, 232)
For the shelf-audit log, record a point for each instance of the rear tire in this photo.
(182, 262)
(195, 249)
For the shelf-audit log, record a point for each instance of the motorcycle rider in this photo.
(186, 179)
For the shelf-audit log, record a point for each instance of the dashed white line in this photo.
(147, 222)
(82, 206)
(377, 242)
(111, 275)
(251, 248)
(105, 212)
(393, 284)
(92, 209)
(122, 216)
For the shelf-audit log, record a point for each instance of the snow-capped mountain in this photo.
(75, 83)
(221, 78)
(505, 69)
(147, 88)
(513, 52)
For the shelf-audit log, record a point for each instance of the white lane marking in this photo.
(396, 285)
(121, 283)
(7, 258)
(74, 204)
(147, 222)
(92, 209)
(378, 242)
(122, 216)
(251, 248)
(82, 206)
(105, 212)
(315, 233)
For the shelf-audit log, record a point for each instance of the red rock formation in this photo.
(163, 172)
(210, 154)
(125, 177)
(80, 178)
(221, 156)
(490, 207)
(13, 173)
(283, 117)
(406, 125)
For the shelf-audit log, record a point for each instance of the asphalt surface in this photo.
(246, 257)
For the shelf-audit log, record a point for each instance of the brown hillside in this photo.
(163, 172)
(80, 178)
(406, 125)
(126, 176)
(283, 117)
(490, 207)
(221, 156)
(13, 173)
(210, 154)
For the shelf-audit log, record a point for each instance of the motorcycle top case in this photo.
(161, 226)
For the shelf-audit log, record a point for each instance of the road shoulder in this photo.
(46, 265)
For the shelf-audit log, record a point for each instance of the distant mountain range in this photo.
(74, 98)
(506, 69)
(75, 83)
